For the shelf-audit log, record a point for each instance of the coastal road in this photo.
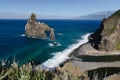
(85, 66)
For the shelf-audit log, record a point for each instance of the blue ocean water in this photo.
(13, 43)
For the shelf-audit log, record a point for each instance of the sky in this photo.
(58, 7)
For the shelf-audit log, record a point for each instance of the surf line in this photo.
(60, 57)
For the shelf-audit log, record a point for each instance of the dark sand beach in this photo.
(88, 58)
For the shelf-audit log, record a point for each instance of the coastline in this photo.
(87, 50)
(99, 59)
(62, 57)
(76, 66)
(83, 49)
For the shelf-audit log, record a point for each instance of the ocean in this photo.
(70, 34)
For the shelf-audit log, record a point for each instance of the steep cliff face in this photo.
(107, 36)
(36, 29)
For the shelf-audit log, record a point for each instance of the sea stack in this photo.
(107, 36)
(34, 29)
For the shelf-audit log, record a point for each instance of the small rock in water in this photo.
(55, 43)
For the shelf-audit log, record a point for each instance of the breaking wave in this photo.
(63, 55)
(22, 35)
(52, 45)
(59, 34)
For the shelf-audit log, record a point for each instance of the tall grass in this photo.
(24, 72)
(29, 72)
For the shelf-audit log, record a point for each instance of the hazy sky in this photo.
(58, 7)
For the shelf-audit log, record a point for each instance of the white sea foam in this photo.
(59, 34)
(62, 56)
(51, 44)
(22, 35)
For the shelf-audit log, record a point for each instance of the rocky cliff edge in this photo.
(107, 36)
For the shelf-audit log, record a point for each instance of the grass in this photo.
(111, 30)
(29, 72)
(118, 46)
(25, 72)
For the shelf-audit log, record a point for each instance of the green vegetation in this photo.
(118, 46)
(29, 72)
(116, 14)
(24, 72)
(111, 30)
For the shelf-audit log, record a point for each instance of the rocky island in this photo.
(34, 29)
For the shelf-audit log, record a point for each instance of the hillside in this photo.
(107, 38)
(96, 16)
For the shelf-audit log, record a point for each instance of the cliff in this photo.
(36, 29)
(107, 36)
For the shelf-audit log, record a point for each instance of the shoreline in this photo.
(62, 56)
(83, 50)
(86, 50)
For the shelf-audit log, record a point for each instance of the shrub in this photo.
(112, 29)
(118, 46)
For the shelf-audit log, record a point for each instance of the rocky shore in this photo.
(103, 48)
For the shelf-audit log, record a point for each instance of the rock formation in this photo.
(107, 36)
(36, 29)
